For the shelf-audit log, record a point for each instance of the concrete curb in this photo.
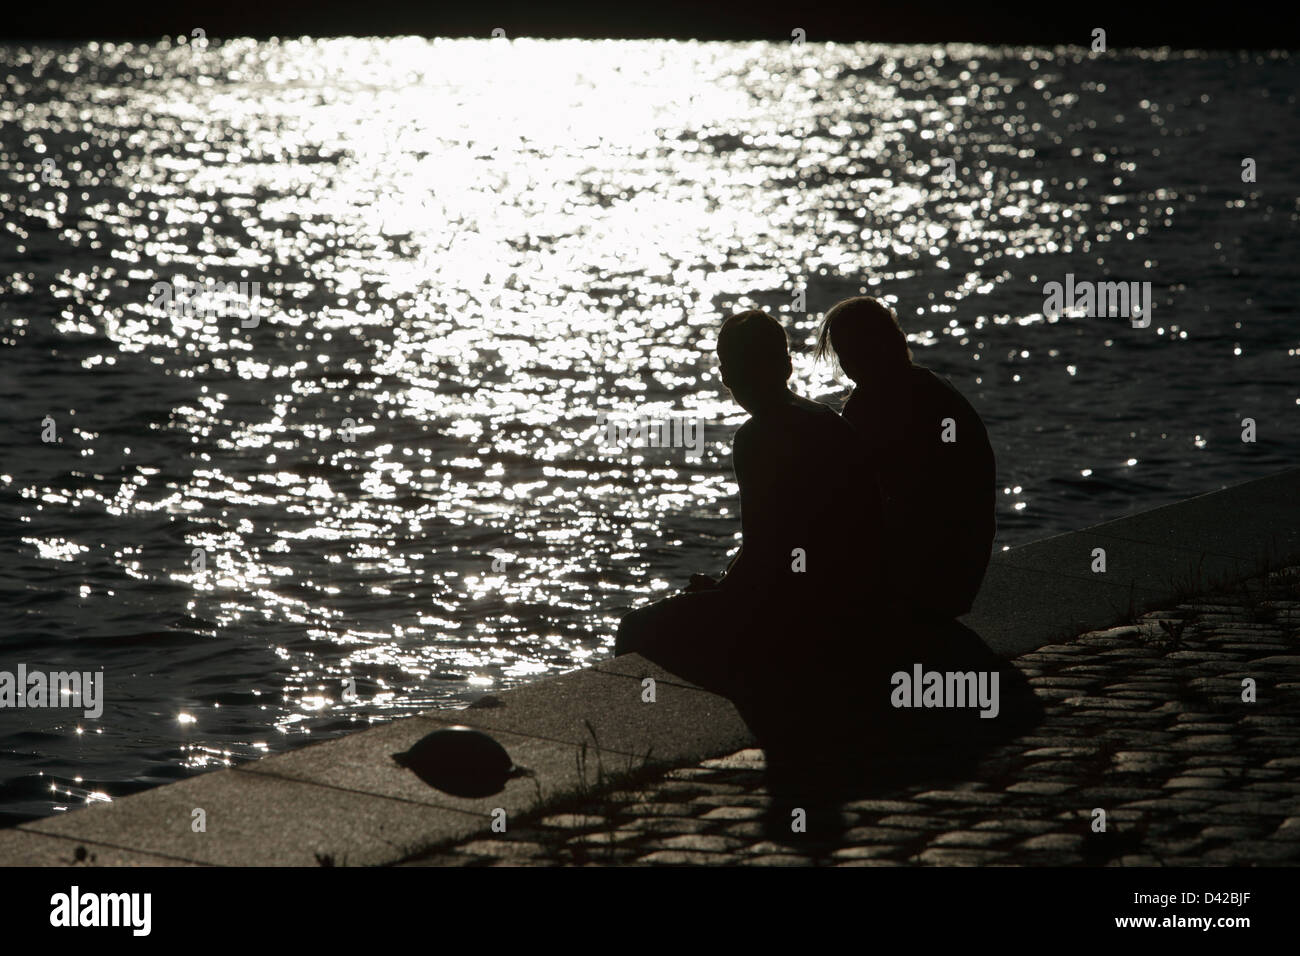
(344, 801)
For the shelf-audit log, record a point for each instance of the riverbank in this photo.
(1145, 722)
(345, 802)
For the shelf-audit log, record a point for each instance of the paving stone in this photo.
(572, 821)
(1205, 742)
(1196, 783)
(702, 775)
(978, 839)
(881, 862)
(456, 860)
(1100, 796)
(954, 856)
(1051, 768)
(753, 800)
(606, 837)
(1145, 739)
(1173, 846)
(763, 847)
(1203, 728)
(1254, 852)
(1045, 787)
(1054, 841)
(1055, 693)
(891, 835)
(1222, 773)
(1268, 721)
(1071, 751)
(745, 830)
(966, 797)
(683, 858)
(1289, 829)
(912, 822)
(1062, 682)
(681, 808)
(689, 790)
(1217, 760)
(659, 824)
(864, 852)
(1018, 826)
(884, 806)
(502, 848)
(1187, 773)
(1274, 786)
(1167, 805)
(1231, 832)
(733, 813)
(1249, 809)
(776, 859)
(1261, 773)
(701, 842)
(752, 759)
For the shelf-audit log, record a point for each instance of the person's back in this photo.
(937, 476)
(931, 454)
(807, 529)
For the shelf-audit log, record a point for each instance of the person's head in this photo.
(863, 336)
(755, 358)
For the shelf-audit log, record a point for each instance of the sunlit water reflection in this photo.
(469, 250)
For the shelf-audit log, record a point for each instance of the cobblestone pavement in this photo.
(1146, 722)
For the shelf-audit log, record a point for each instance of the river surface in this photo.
(390, 492)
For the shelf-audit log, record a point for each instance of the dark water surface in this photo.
(472, 248)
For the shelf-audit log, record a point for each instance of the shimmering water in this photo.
(471, 248)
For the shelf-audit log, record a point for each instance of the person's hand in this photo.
(702, 582)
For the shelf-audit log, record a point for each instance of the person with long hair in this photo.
(931, 453)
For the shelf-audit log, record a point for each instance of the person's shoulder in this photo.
(825, 433)
(838, 422)
(944, 399)
(855, 409)
(820, 417)
(747, 436)
(938, 387)
(815, 409)
(924, 377)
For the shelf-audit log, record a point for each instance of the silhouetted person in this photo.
(931, 453)
(809, 539)
(809, 657)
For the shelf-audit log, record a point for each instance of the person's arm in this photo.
(759, 511)
(976, 490)
(704, 582)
